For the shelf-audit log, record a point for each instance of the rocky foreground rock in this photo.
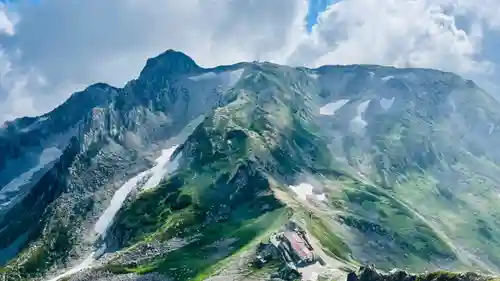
(364, 273)
(370, 273)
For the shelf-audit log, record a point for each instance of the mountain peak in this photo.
(169, 62)
(221, 167)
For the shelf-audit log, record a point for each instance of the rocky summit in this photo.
(255, 171)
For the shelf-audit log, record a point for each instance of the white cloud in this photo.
(404, 33)
(82, 37)
(81, 42)
(57, 46)
(6, 23)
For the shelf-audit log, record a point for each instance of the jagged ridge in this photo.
(366, 137)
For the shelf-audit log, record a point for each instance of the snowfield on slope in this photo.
(85, 264)
(162, 169)
(229, 78)
(330, 108)
(12, 190)
(155, 174)
(387, 103)
(358, 124)
(305, 190)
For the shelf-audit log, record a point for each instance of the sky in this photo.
(316, 7)
(52, 48)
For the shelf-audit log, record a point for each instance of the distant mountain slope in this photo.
(184, 170)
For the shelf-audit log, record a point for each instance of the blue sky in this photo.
(315, 8)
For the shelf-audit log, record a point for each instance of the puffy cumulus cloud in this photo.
(95, 39)
(486, 11)
(404, 33)
(58, 46)
(6, 24)
(51, 48)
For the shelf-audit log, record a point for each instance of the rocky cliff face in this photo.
(185, 169)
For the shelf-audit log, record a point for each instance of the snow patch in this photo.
(204, 76)
(85, 264)
(302, 190)
(387, 103)
(358, 121)
(10, 191)
(225, 79)
(491, 129)
(162, 168)
(321, 197)
(331, 108)
(35, 125)
(387, 78)
(234, 76)
(305, 190)
(155, 175)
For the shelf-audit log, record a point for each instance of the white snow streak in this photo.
(85, 264)
(227, 78)
(203, 76)
(155, 176)
(234, 76)
(331, 108)
(10, 191)
(163, 167)
(35, 125)
(358, 121)
(387, 78)
(119, 197)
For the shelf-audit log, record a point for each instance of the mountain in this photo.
(190, 173)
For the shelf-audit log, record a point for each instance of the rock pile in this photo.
(369, 273)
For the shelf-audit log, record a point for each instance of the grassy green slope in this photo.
(403, 196)
(269, 130)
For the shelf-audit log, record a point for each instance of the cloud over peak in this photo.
(50, 49)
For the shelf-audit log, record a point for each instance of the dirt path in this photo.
(332, 269)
